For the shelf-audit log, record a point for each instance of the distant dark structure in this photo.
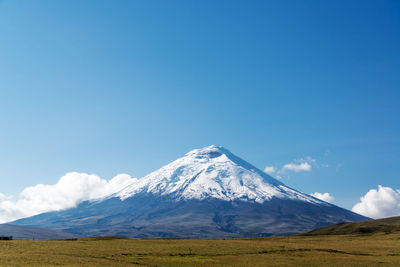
(6, 238)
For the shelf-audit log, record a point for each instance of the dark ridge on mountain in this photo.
(208, 193)
(33, 233)
(386, 225)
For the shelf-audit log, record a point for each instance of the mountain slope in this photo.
(25, 232)
(208, 193)
(386, 225)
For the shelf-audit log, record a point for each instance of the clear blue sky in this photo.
(110, 87)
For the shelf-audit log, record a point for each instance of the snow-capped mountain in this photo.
(208, 193)
(213, 172)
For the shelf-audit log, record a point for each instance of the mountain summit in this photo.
(208, 193)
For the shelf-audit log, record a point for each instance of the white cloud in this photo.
(300, 167)
(69, 191)
(304, 164)
(384, 202)
(323, 196)
(269, 169)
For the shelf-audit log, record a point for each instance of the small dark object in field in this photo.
(6, 238)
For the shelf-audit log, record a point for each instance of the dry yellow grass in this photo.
(347, 250)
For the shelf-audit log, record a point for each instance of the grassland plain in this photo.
(333, 250)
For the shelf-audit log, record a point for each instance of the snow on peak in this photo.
(212, 151)
(213, 172)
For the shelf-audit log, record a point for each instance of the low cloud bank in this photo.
(381, 203)
(323, 196)
(70, 190)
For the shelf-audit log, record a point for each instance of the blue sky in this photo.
(110, 87)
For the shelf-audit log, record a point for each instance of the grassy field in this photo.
(334, 250)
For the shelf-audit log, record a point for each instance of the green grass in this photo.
(333, 250)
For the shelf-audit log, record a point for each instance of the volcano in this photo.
(208, 193)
